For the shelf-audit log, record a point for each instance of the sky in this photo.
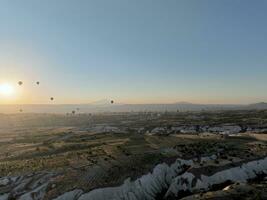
(141, 51)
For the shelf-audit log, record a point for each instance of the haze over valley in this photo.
(133, 100)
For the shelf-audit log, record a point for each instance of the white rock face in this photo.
(260, 130)
(4, 181)
(140, 130)
(190, 129)
(4, 197)
(72, 195)
(36, 194)
(106, 129)
(176, 128)
(226, 129)
(188, 181)
(147, 187)
(208, 158)
(28, 187)
(159, 130)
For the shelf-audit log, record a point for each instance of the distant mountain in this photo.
(183, 102)
(182, 106)
(261, 105)
(101, 102)
(106, 106)
(104, 102)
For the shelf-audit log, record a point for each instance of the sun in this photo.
(6, 90)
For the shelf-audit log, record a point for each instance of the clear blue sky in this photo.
(206, 51)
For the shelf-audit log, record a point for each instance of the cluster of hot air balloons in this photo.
(52, 98)
(37, 83)
(21, 83)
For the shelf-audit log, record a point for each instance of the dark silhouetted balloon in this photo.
(20, 82)
(52, 98)
(73, 112)
(37, 82)
(111, 101)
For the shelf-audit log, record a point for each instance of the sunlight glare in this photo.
(6, 90)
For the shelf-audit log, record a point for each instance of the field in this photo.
(89, 151)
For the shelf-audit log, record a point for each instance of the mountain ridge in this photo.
(119, 107)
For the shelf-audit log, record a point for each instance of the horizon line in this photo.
(116, 104)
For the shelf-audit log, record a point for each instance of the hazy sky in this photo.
(138, 51)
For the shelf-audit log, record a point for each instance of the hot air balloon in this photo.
(73, 112)
(20, 110)
(111, 101)
(52, 98)
(37, 82)
(20, 82)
